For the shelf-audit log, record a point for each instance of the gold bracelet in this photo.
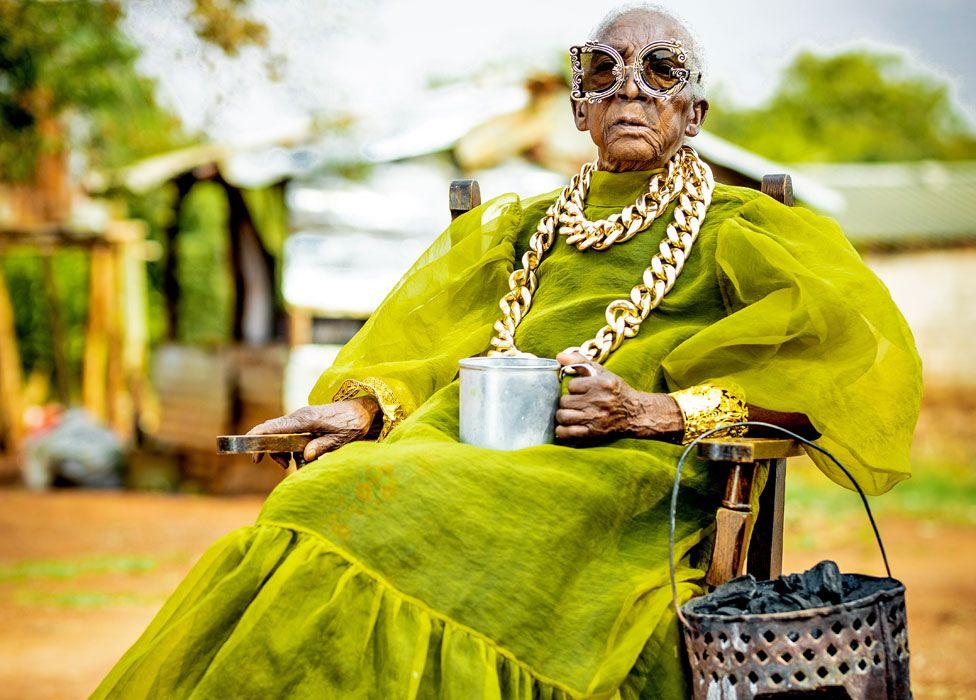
(392, 409)
(706, 406)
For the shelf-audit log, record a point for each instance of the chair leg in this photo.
(731, 529)
(765, 559)
(733, 523)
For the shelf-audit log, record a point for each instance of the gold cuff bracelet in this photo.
(706, 406)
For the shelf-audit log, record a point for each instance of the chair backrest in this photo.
(465, 195)
(779, 187)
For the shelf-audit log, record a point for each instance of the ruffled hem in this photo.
(272, 610)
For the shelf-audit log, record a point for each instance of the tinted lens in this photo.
(598, 72)
(658, 66)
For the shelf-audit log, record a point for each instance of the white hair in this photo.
(693, 50)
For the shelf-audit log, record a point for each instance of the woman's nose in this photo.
(629, 89)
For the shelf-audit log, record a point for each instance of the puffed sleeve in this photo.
(440, 311)
(811, 329)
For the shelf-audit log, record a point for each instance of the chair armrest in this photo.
(734, 521)
(744, 450)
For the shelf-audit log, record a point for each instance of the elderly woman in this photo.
(416, 566)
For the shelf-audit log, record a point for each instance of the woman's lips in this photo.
(628, 127)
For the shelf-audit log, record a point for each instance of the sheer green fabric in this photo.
(422, 567)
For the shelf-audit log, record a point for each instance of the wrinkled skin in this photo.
(632, 132)
(337, 423)
(604, 405)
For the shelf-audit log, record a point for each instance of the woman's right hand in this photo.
(335, 424)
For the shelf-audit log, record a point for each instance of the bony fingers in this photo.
(319, 446)
(275, 426)
(570, 358)
(264, 428)
(569, 416)
(571, 431)
(577, 401)
(283, 459)
(580, 385)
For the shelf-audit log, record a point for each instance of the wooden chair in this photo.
(743, 542)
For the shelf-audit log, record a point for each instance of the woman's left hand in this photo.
(604, 405)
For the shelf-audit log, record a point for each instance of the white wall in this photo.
(936, 291)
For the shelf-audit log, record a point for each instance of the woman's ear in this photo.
(698, 109)
(579, 114)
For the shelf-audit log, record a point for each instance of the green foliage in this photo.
(206, 302)
(72, 568)
(68, 79)
(32, 317)
(69, 61)
(938, 490)
(852, 106)
(220, 22)
(80, 600)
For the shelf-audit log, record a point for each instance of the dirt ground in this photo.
(82, 573)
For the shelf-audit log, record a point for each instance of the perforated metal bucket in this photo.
(857, 649)
(860, 646)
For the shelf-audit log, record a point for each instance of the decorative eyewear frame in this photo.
(682, 75)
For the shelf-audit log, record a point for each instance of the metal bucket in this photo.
(857, 649)
(508, 403)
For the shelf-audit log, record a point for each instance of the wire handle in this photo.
(759, 424)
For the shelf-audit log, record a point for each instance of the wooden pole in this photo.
(299, 326)
(117, 404)
(11, 399)
(132, 332)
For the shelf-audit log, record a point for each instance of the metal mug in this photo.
(508, 403)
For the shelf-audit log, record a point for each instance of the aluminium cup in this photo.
(508, 403)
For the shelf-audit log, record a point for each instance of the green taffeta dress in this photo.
(422, 567)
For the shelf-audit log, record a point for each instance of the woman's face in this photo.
(631, 130)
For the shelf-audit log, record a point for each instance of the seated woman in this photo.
(417, 566)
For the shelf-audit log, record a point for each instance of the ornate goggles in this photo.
(599, 70)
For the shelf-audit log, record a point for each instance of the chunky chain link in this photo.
(687, 178)
(625, 224)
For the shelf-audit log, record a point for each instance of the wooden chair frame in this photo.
(744, 541)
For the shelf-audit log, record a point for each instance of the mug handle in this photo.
(574, 369)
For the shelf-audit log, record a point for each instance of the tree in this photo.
(222, 23)
(852, 106)
(69, 62)
(68, 82)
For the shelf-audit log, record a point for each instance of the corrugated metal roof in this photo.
(721, 152)
(902, 204)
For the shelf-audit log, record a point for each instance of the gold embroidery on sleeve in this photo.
(393, 412)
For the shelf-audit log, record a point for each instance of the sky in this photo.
(372, 58)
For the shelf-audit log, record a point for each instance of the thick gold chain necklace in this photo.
(687, 178)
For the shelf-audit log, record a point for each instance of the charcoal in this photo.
(822, 585)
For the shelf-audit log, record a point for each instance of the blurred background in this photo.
(202, 200)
